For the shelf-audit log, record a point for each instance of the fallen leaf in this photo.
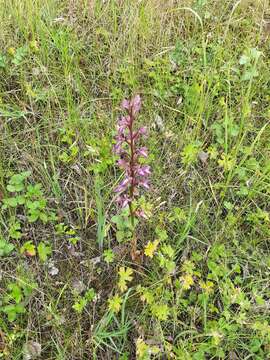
(233, 355)
(266, 26)
(203, 156)
(31, 350)
(179, 101)
(77, 169)
(159, 123)
(78, 286)
(36, 71)
(53, 270)
(95, 260)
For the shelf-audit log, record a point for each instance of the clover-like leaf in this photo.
(115, 303)
(161, 311)
(150, 248)
(125, 276)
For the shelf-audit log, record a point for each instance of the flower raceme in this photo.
(130, 155)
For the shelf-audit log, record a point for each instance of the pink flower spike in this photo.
(120, 138)
(136, 174)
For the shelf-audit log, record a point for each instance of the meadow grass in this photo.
(202, 70)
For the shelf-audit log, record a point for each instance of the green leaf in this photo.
(64, 157)
(43, 217)
(28, 288)
(33, 214)
(117, 219)
(11, 188)
(34, 190)
(90, 294)
(5, 247)
(255, 345)
(80, 305)
(13, 310)
(115, 303)
(244, 59)
(125, 276)
(44, 251)
(161, 311)
(250, 74)
(161, 234)
(82, 301)
(120, 236)
(2, 62)
(20, 199)
(17, 179)
(20, 55)
(14, 231)
(74, 240)
(190, 153)
(28, 248)
(109, 256)
(12, 202)
(168, 251)
(15, 292)
(255, 54)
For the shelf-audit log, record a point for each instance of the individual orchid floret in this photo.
(123, 185)
(123, 200)
(143, 171)
(145, 183)
(133, 106)
(143, 130)
(123, 164)
(142, 152)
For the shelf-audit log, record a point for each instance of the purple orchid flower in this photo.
(142, 152)
(136, 174)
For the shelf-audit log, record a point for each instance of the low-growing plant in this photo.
(14, 301)
(15, 229)
(82, 301)
(69, 233)
(99, 151)
(44, 250)
(145, 351)
(28, 196)
(68, 138)
(108, 256)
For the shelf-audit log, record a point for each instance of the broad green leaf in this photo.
(44, 251)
